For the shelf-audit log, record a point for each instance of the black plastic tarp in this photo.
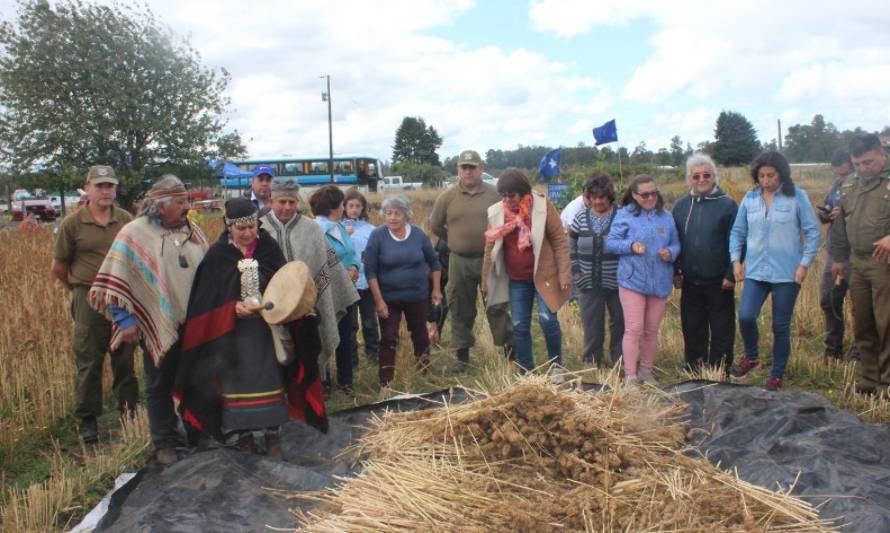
(223, 490)
(837, 462)
(772, 438)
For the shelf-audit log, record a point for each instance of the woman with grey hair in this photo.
(703, 271)
(398, 261)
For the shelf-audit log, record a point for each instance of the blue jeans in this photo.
(754, 294)
(522, 294)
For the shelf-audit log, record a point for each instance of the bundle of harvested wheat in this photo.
(540, 457)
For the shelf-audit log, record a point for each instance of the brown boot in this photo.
(166, 456)
(246, 443)
(273, 446)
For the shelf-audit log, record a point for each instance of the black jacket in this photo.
(703, 223)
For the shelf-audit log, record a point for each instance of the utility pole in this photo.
(779, 121)
(326, 97)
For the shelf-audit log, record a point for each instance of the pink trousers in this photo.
(642, 318)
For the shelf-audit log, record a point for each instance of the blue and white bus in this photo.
(349, 170)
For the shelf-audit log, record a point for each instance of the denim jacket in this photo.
(774, 250)
(342, 245)
(644, 273)
(361, 232)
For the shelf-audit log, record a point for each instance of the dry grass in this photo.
(36, 368)
(533, 456)
(66, 494)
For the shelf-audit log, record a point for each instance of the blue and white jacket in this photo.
(644, 273)
(338, 238)
(361, 231)
(772, 238)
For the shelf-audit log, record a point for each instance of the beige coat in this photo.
(552, 266)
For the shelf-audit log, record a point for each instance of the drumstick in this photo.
(268, 306)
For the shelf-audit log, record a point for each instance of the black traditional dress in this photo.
(229, 379)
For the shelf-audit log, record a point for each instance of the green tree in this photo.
(450, 165)
(678, 155)
(416, 143)
(735, 140)
(641, 154)
(230, 146)
(813, 142)
(85, 84)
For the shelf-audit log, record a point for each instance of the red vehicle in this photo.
(38, 203)
(198, 195)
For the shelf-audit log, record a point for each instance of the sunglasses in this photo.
(702, 176)
(647, 194)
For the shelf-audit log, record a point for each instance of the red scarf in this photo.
(520, 218)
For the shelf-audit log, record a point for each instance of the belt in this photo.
(476, 255)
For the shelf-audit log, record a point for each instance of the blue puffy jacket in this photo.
(645, 273)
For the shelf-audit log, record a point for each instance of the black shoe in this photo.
(463, 360)
(89, 429)
(865, 390)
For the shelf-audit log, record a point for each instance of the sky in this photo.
(497, 74)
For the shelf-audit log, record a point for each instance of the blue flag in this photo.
(549, 166)
(607, 133)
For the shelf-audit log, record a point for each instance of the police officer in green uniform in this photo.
(862, 234)
(82, 242)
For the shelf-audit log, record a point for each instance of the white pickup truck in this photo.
(396, 183)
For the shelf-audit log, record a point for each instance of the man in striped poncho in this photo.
(144, 285)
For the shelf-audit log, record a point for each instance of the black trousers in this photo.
(162, 419)
(707, 314)
(343, 355)
(831, 299)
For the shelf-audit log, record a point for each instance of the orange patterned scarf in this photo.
(520, 218)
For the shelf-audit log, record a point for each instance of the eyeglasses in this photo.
(702, 176)
(647, 194)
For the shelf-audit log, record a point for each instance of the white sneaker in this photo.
(630, 382)
(557, 374)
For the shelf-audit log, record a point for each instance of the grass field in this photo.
(48, 480)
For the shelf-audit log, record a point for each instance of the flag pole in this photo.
(620, 173)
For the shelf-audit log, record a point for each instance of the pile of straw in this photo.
(540, 457)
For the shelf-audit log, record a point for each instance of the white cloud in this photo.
(568, 18)
(692, 126)
(390, 59)
(817, 56)
(384, 65)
